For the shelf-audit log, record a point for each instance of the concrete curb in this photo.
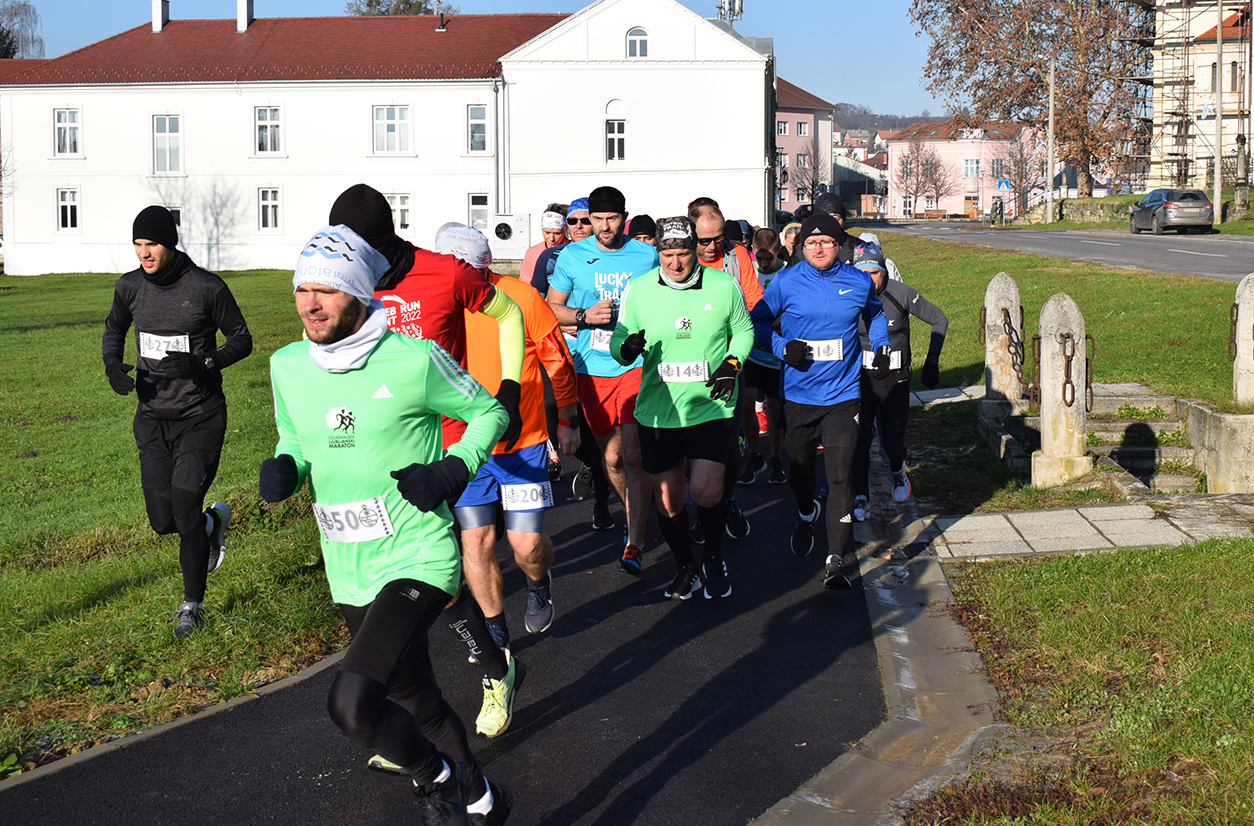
(940, 706)
(144, 734)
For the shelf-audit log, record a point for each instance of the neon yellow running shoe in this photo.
(498, 699)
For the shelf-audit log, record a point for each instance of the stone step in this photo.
(1142, 457)
(1117, 428)
(1170, 483)
(1104, 405)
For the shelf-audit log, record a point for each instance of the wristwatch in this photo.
(580, 315)
(210, 364)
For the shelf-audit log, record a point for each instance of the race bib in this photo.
(833, 350)
(601, 339)
(354, 522)
(527, 497)
(156, 347)
(894, 359)
(675, 372)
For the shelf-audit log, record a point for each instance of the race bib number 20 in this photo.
(354, 522)
(600, 339)
(527, 497)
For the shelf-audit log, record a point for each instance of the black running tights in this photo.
(176, 510)
(836, 426)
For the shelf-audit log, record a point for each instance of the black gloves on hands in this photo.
(880, 363)
(279, 478)
(796, 352)
(508, 394)
(931, 373)
(121, 383)
(182, 365)
(427, 486)
(722, 382)
(632, 346)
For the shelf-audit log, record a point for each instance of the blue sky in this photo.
(841, 50)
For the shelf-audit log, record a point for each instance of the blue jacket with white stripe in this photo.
(822, 308)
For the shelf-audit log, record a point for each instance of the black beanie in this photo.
(604, 199)
(641, 225)
(156, 224)
(366, 212)
(820, 223)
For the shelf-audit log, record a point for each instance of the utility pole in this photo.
(1219, 115)
(1049, 184)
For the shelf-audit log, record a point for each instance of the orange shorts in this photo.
(609, 402)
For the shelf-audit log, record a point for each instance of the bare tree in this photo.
(1021, 165)
(939, 179)
(812, 172)
(908, 176)
(378, 8)
(19, 23)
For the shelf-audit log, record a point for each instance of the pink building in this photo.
(800, 118)
(975, 159)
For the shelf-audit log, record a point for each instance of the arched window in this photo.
(637, 43)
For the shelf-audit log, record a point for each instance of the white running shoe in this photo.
(861, 508)
(901, 485)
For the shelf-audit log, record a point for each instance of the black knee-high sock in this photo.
(713, 521)
(589, 453)
(465, 619)
(675, 531)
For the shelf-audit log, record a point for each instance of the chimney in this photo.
(243, 15)
(160, 15)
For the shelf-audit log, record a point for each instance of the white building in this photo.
(251, 127)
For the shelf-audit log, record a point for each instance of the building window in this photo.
(400, 209)
(477, 128)
(803, 128)
(167, 139)
(1236, 73)
(268, 209)
(479, 212)
(616, 140)
(803, 161)
(907, 205)
(637, 43)
(391, 129)
(999, 168)
(67, 210)
(177, 214)
(781, 128)
(781, 160)
(268, 140)
(66, 121)
(1214, 77)
(971, 168)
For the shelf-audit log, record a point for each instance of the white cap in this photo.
(339, 258)
(466, 243)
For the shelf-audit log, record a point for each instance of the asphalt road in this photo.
(635, 709)
(1210, 256)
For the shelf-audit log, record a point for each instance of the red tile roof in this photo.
(791, 96)
(15, 66)
(1236, 26)
(947, 130)
(298, 48)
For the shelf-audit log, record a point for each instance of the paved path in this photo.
(1229, 258)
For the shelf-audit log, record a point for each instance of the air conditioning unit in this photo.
(509, 236)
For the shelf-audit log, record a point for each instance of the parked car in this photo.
(1184, 210)
(782, 219)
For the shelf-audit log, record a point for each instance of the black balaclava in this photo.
(366, 212)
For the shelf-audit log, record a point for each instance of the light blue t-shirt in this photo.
(589, 274)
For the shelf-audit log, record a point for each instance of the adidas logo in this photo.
(707, 307)
(382, 393)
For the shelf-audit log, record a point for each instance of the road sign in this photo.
(1003, 185)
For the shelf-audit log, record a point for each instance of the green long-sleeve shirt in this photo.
(688, 334)
(348, 431)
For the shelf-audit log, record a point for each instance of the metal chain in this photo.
(983, 323)
(1014, 346)
(1232, 336)
(1034, 389)
(1090, 354)
(1068, 354)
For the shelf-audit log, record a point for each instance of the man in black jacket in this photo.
(834, 206)
(177, 310)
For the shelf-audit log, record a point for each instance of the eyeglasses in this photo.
(587, 222)
(819, 245)
(705, 242)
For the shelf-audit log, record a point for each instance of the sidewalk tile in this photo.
(941, 395)
(1136, 535)
(1070, 543)
(974, 391)
(915, 401)
(1107, 513)
(974, 522)
(1052, 525)
(968, 549)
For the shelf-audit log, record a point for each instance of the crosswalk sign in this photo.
(1003, 185)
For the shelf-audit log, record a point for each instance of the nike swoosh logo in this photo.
(843, 292)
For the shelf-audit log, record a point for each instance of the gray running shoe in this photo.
(220, 516)
(190, 617)
(581, 486)
(539, 614)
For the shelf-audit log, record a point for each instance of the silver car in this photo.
(1184, 210)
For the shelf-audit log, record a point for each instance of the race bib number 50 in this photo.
(354, 522)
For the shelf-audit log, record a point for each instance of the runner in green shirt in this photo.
(690, 324)
(351, 404)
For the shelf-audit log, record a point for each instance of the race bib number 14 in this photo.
(683, 371)
(354, 522)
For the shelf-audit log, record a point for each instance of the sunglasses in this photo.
(587, 222)
(705, 242)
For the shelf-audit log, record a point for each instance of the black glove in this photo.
(722, 382)
(279, 478)
(796, 352)
(508, 394)
(931, 373)
(879, 364)
(427, 486)
(182, 365)
(632, 346)
(121, 383)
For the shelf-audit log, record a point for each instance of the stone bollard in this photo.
(1062, 456)
(1243, 363)
(1003, 388)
